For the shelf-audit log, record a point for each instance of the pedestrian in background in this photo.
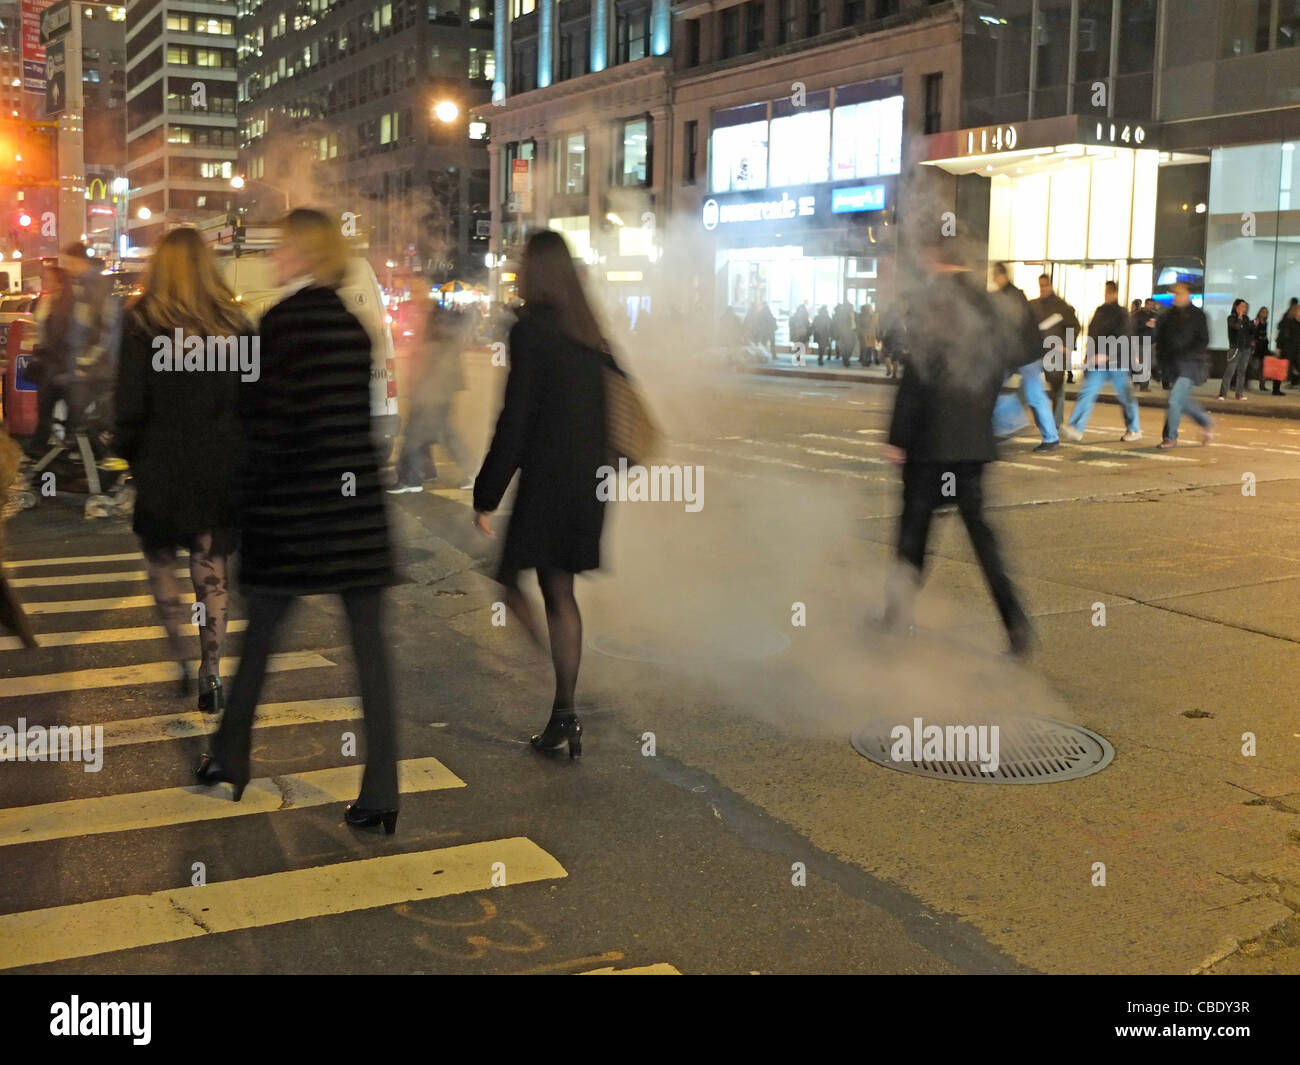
(1110, 344)
(1288, 342)
(1241, 343)
(1021, 328)
(1056, 320)
(311, 504)
(845, 333)
(893, 341)
(1182, 336)
(800, 328)
(961, 348)
(552, 430)
(868, 324)
(821, 332)
(438, 376)
(181, 434)
(1142, 328)
(1263, 350)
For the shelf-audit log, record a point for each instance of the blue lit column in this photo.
(661, 27)
(545, 36)
(499, 43)
(599, 35)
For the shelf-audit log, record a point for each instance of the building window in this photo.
(575, 51)
(738, 149)
(933, 103)
(691, 147)
(571, 165)
(789, 21)
(855, 11)
(730, 32)
(754, 25)
(867, 135)
(524, 75)
(816, 17)
(692, 42)
(633, 152)
(633, 35)
(1244, 26)
(800, 141)
(521, 7)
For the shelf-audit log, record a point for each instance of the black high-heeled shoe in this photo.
(563, 728)
(209, 772)
(211, 698)
(360, 817)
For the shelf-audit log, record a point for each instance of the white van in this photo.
(252, 278)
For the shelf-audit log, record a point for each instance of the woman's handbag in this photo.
(1275, 368)
(630, 432)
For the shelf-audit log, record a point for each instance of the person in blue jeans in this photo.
(1020, 324)
(1110, 357)
(1182, 337)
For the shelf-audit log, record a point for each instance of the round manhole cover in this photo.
(732, 642)
(1025, 750)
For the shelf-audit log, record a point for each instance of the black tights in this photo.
(564, 623)
(208, 575)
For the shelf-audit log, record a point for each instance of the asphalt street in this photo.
(719, 821)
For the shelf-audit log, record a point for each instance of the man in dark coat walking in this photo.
(1182, 337)
(960, 352)
(1110, 353)
(1059, 326)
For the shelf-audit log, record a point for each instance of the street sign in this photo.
(55, 20)
(33, 52)
(21, 381)
(56, 82)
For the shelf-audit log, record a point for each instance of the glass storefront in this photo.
(1253, 240)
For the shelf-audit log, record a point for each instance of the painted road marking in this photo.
(91, 928)
(120, 577)
(88, 606)
(148, 673)
(769, 461)
(183, 726)
(72, 560)
(70, 639)
(661, 969)
(179, 806)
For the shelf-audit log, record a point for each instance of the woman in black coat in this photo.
(551, 429)
(311, 504)
(177, 425)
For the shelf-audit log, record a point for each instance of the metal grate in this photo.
(1031, 750)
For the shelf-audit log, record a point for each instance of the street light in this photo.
(446, 111)
(144, 214)
(236, 182)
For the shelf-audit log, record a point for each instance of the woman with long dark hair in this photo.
(311, 505)
(552, 430)
(180, 432)
(1241, 342)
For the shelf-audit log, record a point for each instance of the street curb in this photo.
(1218, 406)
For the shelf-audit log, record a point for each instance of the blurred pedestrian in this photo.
(312, 517)
(1142, 327)
(868, 326)
(821, 333)
(1110, 346)
(1241, 344)
(13, 618)
(961, 348)
(845, 333)
(1021, 329)
(1056, 322)
(893, 341)
(438, 376)
(1263, 350)
(1288, 342)
(800, 328)
(181, 434)
(552, 430)
(1182, 337)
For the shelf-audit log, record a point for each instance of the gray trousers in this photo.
(1235, 372)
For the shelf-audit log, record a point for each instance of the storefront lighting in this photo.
(507, 278)
(489, 260)
(1200, 208)
(624, 275)
(612, 217)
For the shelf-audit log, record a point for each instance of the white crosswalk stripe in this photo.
(32, 733)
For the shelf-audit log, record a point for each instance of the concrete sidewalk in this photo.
(1260, 404)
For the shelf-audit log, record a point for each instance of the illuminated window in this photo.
(738, 149)
(521, 7)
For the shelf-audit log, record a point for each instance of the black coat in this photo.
(1019, 324)
(305, 530)
(961, 347)
(1182, 337)
(1108, 332)
(180, 432)
(1288, 339)
(1241, 333)
(551, 429)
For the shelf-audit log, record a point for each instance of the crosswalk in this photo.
(44, 702)
(857, 455)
